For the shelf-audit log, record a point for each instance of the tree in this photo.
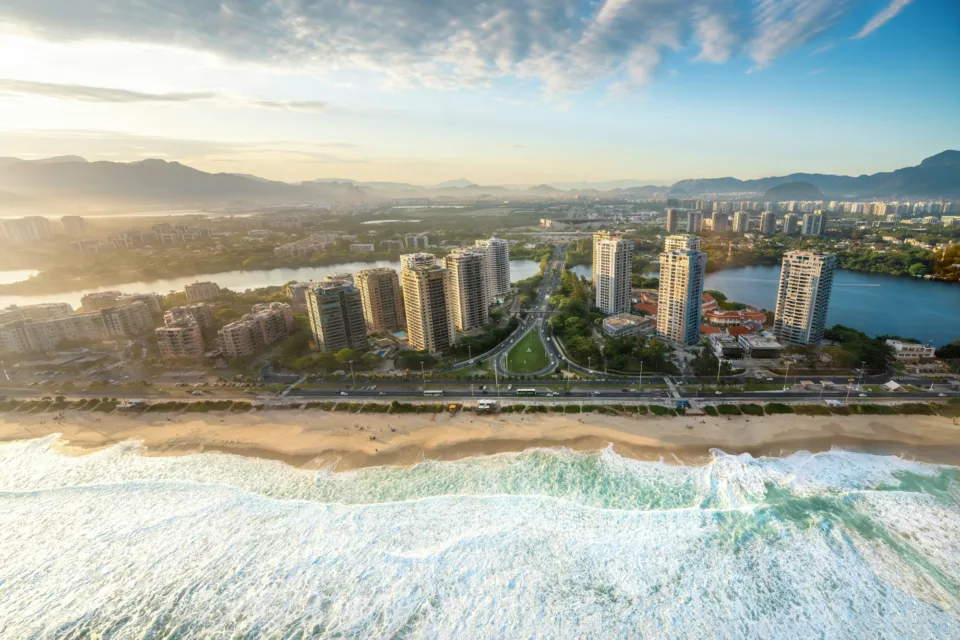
(918, 269)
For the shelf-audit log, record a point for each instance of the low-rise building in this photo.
(307, 246)
(625, 324)
(911, 351)
(361, 247)
(153, 301)
(180, 339)
(13, 338)
(760, 346)
(47, 335)
(725, 346)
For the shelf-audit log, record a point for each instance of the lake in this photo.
(234, 280)
(874, 303)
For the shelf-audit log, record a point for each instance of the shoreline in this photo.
(319, 439)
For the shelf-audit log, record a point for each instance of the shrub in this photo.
(728, 410)
(430, 408)
(401, 407)
(874, 409)
(914, 409)
(557, 408)
(571, 408)
(536, 408)
(811, 410)
(840, 411)
(711, 410)
(657, 410)
(240, 406)
(375, 408)
(751, 409)
(9, 405)
(641, 409)
(680, 411)
(774, 408)
(948, 410)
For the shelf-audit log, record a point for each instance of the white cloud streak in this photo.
(882, 18)
(94, 94)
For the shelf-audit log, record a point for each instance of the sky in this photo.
(494, 91)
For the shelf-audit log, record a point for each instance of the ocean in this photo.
(548, 543)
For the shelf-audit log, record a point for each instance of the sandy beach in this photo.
(315, 439)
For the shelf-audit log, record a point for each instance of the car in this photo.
(344, 393)
(862, 395)
(626, 389)
(769, 379)
(195, 393)
(718, 393)
(373, 387)
(382, 393)
(250, 392)
(941, 395)
(594, 393)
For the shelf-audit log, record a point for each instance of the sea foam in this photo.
(544, 543)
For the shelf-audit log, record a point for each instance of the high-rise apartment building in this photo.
(614, 273)
(46, 335)
(467, 292)
(25, 230)
(335, 312)
(673, 220)
(414, 260)
(74, 226)
(680, 305)
(180, 339)
(416, 241)
(803, 297)
(721, 222)
(741, 222)
(694, 222)
(99, 300)
(498, 266)
(381, 299)
(425, 302)
(128, 320)
(791, 224)
(811, 225)
(200, 312)
(768, 223)
(201, 291)
(13, 337)
(597, 238)
(264, 325)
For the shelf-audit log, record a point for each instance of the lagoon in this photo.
(234, 280)
(877, 304)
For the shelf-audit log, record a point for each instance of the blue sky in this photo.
(500, 91)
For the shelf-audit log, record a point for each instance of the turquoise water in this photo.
(545, 543)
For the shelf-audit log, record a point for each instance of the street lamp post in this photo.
(423, 374)
(863, 365)
(786, 378)
(353, 376)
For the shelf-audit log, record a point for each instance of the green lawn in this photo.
(520, 360)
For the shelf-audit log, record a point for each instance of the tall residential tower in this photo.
(335, 311)
(680, 304)
(425, 301)
(381, 298)
(498, 266)
(468, 295)
(803, 297)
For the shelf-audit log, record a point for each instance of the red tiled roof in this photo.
(706, 329)
(646, 306)
(739, 330)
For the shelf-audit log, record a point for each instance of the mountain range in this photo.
(72, 184)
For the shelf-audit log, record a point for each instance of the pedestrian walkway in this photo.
(673, 387)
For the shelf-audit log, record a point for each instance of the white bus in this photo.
(438, 392)
(526, 392)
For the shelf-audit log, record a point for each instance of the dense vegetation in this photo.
(908, 261)
(859, 347)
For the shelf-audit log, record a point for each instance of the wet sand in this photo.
(315, 439)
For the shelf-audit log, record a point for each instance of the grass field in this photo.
(519, 360)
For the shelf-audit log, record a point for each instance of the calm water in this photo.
(543, 544)
(234, 280)
(873, 303)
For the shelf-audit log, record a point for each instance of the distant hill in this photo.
(454, 184)
(937, 175)
(76, 183)
(793, 191)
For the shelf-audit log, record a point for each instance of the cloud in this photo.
(824, 48)
(304, 105)
(715, 37)
(882, 18)
(784, 25)
(566, 45)
(94, 94)
(815, 72)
